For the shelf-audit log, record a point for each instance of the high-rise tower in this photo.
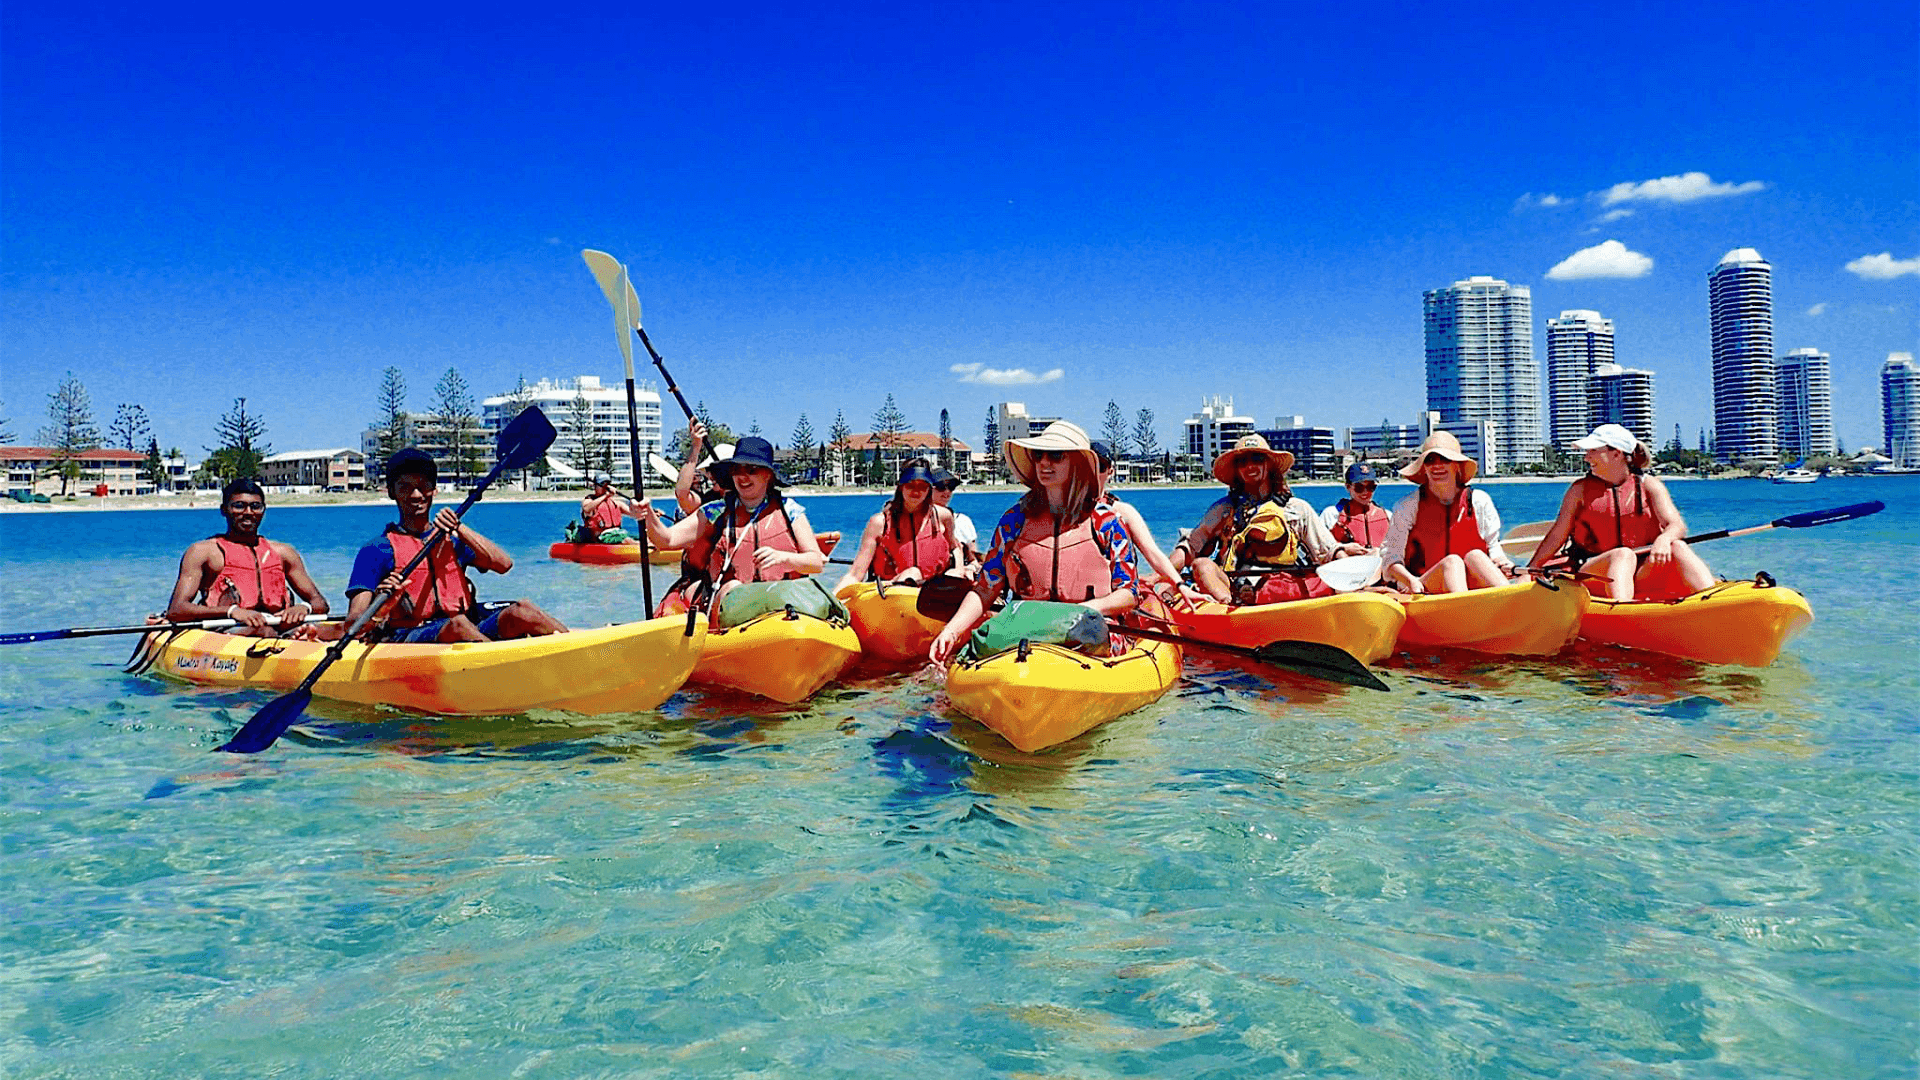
(1480, 365)
(1803, 384)
(1900, 409)
(1578, 342)
(1745, 408)
(1624, 396)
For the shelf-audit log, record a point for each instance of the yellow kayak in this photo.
(890, 629)
(631, 667)
(1733, 622)
(786, 657)
(1364, 624)
(1522, 619)
(1049, 694)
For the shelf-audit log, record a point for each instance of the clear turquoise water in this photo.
(1599, 866)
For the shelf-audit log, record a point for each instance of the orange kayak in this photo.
(890, 630)
(1364, 624)
(629, 552)
(1523, 619)
(1733, 622)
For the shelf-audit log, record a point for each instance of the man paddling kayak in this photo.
(436, 603)
(242, 575)
(1614, 509)
(1258, 525)
(602, 509)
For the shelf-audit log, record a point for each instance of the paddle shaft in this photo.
(1805, 520)
(97, 631)
(665, 375)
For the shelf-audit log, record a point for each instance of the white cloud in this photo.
(1530, 199)
(1687, 187)
(1883, 267)
(1818, 309)
(980, 373)
(1615, 215)
(1611, 259)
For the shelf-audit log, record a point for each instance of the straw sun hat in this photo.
(1059, 435)
(1278, 461)
(1444, 444)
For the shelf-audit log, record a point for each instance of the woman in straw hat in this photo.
(911, 539)
(755, 536)
(1445, 537)
(1055, 543)
(1259, 526)
(1612, 511)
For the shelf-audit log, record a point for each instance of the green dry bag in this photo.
(756, 598)
(1041, 622)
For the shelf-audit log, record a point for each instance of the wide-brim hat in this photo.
(751, 450)
(1059, 435)
(1447, 446)
(1278, 461)
(946, 478)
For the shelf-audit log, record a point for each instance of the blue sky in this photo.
(1160, 202)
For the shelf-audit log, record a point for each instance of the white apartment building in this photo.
(1624, 396)
(1746, 423)
(606, 408)
(1215, 428)
(1480, 365)
(1578, 343)
(1803, 387)
(1900, 409)
(1012, 421)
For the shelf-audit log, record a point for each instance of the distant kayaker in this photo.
(965, 534)
(754, 535)
(1056, 543)
(1357, 523)
(1445, 536)
(911, 539)
(242, 575)
(1136, 525)
(436, 603)
(1259, 526)
(603, 508)
(1615, 509)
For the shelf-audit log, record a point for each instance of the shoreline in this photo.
(209, 500)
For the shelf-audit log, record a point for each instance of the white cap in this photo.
(1608, 435)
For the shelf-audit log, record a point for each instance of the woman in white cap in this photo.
(911, 539)
(1445, 537)
(1259, 525)
(1614, 510)
(1054, 544)
(754, 537)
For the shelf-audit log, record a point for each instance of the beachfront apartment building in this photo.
(341, 468)
(1386, 442)
(1621, 395)
(1480, 364)
(1803, 386)
(1746, 408)
(103, 471)
(1900, 409)
(1579, 343)
(1214, 429)
(1012, 421)
(1311, 447)
(582, 409)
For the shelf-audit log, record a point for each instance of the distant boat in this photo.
(1795, 476)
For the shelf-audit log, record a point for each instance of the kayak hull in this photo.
(631, 667)
(787, 658)
(1523, 619)
(890, 630)
(1055, 694)
(1733, 622)
(1364, 624)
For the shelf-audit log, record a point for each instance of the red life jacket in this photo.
(1368, 529)
(927, 548)
(604, 516)
(1074, 566)
(1440, 530)
(437, 589)
(252, 577)
(761, 533)
(1603, 520)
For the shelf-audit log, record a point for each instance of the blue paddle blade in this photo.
(1828, 517)
(269, 723)
(33, 635)
(523, 440)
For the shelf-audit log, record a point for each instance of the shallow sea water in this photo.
(1602, 864)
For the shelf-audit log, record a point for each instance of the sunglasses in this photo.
(1051, 455)
(247, 507)
(1363, 485)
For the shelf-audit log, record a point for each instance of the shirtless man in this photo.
(242, 575)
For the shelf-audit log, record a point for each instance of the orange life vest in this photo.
(1603, 520)
(758, 534)
(1440, 530)
(604, 516)
(1367, 530)
(437, 589)
(927, 548)
(1074, 566)
(252, 577)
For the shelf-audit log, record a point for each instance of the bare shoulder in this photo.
(286, 551)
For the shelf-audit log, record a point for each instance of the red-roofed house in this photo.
(118, 472)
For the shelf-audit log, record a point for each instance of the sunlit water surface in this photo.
(1604, 864)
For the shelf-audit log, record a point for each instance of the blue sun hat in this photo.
(752, 450)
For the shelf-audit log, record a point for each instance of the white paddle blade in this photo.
(624, 316)
(1351, 573)
(606, 270)
(1522, 548)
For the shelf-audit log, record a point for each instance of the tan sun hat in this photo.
(1059, 435)
(1444, 444)
(1278, 461)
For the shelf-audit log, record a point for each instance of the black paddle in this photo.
(1805, 520)
(521, 443)
(97, 631)
(940, 600)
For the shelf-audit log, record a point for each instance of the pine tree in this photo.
(155, 469)
(802, 441)
(129, 427)
(990, 443)
(838, 438)
(454, 403)
(1145, 442)
(70, 430)
(1114, 430)
(519, 400)
(243, 444)
(6, 433)
(395, 430)
(584, 449)
(946, 440)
